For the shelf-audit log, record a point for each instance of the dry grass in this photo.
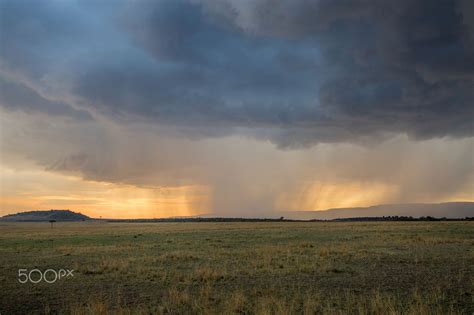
(241, 268)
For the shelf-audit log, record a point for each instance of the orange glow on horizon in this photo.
(24, 190)
(321, 196)
(41, 190)
(314, 196)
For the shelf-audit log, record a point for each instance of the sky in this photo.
(140, 109)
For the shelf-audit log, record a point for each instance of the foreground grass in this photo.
(241, 268)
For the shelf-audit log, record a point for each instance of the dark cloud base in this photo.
(295, 72)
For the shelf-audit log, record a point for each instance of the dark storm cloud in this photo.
(296, 72)
(35, 35)
(15, 96)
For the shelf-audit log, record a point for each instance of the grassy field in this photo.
(240, 268)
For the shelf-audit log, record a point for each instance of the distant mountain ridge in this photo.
(452, 210)
(45, 215)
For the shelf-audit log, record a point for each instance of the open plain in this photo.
(239, 268)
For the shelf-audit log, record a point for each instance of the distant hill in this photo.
(450, 210)
(453, 210)
(45, 215)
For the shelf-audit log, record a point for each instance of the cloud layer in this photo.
(303, 71)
